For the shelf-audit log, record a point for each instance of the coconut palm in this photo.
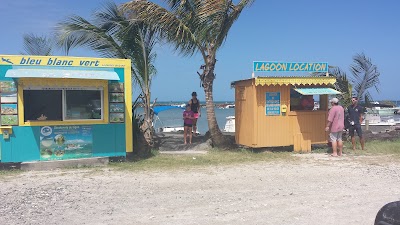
(194, 26)
(365, 76)
(37, 45)
(342, 83)
(112, 35)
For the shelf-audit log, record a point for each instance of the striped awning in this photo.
(317, 91)
(294, 81)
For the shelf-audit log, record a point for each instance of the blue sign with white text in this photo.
(259, 66)
(273, 103)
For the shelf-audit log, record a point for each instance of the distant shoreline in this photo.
(225, 103)
(216, 103)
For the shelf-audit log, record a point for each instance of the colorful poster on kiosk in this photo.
(65, 142)
(273, 103)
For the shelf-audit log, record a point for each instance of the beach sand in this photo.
(316, 189)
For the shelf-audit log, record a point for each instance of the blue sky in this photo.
(285, 30)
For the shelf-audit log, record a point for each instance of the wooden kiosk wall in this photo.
(255, 129)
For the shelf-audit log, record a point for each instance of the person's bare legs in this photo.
(185, 128)
(194, 126)
(353, 142)
(334, 148)
(190, 135)
(340, 147)
(362, 143)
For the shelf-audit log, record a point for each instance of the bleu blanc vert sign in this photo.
(260, 66)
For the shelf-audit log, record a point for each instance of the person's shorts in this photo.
(196, 115)
(187, 125)
(336, 136)
(356, 128)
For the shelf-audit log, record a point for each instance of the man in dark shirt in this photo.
(355, 113)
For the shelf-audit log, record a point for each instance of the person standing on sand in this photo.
(188, 117)
(355, 113)
(336, 125)
(195, 107)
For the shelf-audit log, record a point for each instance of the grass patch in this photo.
(371, 148)
(212, 158)
(380, 148)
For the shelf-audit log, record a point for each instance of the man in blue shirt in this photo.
(355, 113)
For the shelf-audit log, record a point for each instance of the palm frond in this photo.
(342, 83)
(37, 45)
(78, 32)
(365, 75)
(111, 34)
(167, 24)
(221, 15)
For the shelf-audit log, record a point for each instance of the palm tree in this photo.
(194, 26)
(365, 75)
(342, 83)
(113, 35)
(38, 45)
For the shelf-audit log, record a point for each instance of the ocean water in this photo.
(173, 117)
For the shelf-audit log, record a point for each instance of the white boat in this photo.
(228, 106)
(382, 109)
(177, 129)
(168, 129)
(230, 124)
(376, 124)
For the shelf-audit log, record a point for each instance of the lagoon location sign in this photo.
(259, 66)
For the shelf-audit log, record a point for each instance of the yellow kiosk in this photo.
(280, 111)
(57, 108)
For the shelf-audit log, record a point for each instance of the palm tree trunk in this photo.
(147, 126)
(216, 135)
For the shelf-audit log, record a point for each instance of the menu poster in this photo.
(117, 106)
(117, 117)
(8, 103)
(8, 87)
(65, 142)
(116, 87)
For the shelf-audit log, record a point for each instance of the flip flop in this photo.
(333, 155)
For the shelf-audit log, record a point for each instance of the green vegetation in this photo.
(381, 148)
(364, 75)
(372, 148)
(212, 158)
(38, 45)
(191, 27)
(111, 33)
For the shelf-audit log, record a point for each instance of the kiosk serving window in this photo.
(299, 102)
(83, 104)
(40, 102)
(63, 104)
(304, 98)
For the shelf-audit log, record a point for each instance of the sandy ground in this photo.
(317, 189)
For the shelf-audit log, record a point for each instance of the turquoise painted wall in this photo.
(3, 71)
(24, 143)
